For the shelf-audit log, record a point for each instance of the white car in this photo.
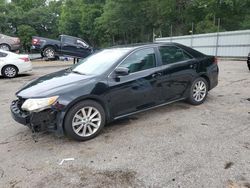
(12, 64)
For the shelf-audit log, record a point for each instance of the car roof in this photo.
(6, 52)
(70, 36)
(10, 54)
(152, 44)
(135, 46)
(3, 51)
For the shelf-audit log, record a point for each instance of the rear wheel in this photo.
(5, 47)
(84, 120)
(9, 71)
(49, 52)
(198, 91)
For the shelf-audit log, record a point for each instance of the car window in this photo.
(100, 61)
(69, 40)
(140, 60)
(81, 43)
(2, 54)
(172, 54)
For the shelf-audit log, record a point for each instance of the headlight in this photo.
(37, 105)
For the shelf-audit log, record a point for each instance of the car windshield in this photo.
(99, 62)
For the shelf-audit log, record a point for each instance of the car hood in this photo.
(53, 84)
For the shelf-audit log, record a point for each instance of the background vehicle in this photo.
(248, 61)
(114, 83)
(8, 43)
(66, 45)
(12, 64)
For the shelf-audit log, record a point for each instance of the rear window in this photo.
(172, 54)
(69, 40)
(3, 54)
(191, 51)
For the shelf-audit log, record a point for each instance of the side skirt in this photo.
(139, 111)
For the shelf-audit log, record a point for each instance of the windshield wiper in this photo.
(78, 72)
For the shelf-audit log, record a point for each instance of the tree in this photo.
(25, 32)
(110, 22)
(69, 22)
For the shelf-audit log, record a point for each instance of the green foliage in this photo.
(69, 21)
(246, 22)
(111, 22)
(206, 26)
(25, 32)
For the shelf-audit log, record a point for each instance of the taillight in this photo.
(35, 41)
(25, 59)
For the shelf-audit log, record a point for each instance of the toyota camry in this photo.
(114, 83)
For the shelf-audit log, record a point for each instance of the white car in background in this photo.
(12, 64)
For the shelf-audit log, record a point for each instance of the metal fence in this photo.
(222, 44)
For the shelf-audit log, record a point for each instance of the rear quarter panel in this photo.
(44, 42)
(208, 68)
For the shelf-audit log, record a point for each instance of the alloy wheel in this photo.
(86, 121)
(5, 47)
(199, 91)
(49, 53)
(10, 72)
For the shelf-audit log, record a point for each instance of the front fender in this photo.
(62, 114)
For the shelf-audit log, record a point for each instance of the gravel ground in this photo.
(178, 145)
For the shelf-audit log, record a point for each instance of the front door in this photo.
(138, 90)
(82, 49)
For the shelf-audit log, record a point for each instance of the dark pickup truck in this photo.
(65, 46)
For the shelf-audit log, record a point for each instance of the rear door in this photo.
(138, 90)
(178, 70)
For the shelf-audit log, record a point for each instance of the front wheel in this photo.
(198, 91)
(84, 120)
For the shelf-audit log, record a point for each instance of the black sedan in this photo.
(114, 83)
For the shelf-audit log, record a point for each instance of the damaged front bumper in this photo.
(37, 121)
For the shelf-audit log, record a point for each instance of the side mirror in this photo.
(121, 71)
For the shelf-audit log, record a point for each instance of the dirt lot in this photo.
(178, 145)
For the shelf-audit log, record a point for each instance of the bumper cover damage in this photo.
(37, 121)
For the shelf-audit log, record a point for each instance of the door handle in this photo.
(156, 75)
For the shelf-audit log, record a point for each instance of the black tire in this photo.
(9, 71)
(49, 52)
(5, 47)
(203, 93)
(42, 54)
(74, 111)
